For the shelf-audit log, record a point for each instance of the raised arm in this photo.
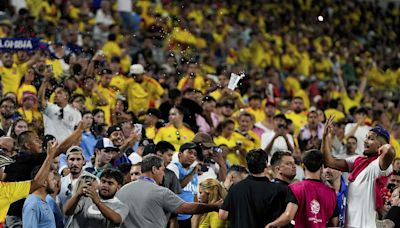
(72, 139)
(43, 172)
(42, 93)
(363, 83)
(326, 148)
(341, 81)
(386, 156)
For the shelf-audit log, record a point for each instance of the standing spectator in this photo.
(96, 205)
(143, 91)
(316, 202)
(335, 179)
(149, 204)
(188, 177)
(8, 113)
(75, 162)
(36, 211)
(53, 200)
(245, 128)
(297, 114)
(359, 129)
(104, 150)
(14, 191)
(208, 120)
(175, 132)
(211, 158)
(268, 124)
(192, 79)
(59, 118)
(136, 171)
(364, 169)
(125, 11)
(310, 136)
(279, 138)
(255, 201)
(165, 150)
(255, 108)
(20, 125)
(151, 122)
(211, 191)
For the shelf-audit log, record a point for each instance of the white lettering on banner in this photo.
(16, 44)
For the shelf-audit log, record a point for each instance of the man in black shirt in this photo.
(255, 201)
(284, 167)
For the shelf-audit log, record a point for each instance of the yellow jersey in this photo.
(175, 136)
(11, 78)
(11, 192)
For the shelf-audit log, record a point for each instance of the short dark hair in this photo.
(23, 138)
(352, 137)
(313, 160)
(113, 174)
(149, 161)
(8, 99)
(277, 157)
(125, 168)
(238, 168)
(164, 146)
(257, 161)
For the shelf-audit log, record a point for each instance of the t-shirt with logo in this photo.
(87, 214)
(316, 203)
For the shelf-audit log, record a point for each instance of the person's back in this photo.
(316, 202)
(255, 202)
(147, 204)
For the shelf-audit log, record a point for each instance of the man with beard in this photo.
(10, 73)
(75, 162)
(37, 212)
(8, 113)
(97, 206)
(297, 114)
(268, 124)
(59, 118)
(364, 169)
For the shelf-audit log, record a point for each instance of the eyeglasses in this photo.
(135, 173)
(61, 115)
(178, 135)
(69, 191)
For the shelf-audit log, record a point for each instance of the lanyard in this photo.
(147, 179)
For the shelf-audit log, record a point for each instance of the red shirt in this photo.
(316, 203)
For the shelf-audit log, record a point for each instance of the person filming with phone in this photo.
(278, 138)
(95, 205)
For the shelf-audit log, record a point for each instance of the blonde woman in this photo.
(211, 191)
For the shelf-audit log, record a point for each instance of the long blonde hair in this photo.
(214, 190)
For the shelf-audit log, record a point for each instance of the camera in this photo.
(204, 168)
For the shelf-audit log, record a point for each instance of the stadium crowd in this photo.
(122, 114)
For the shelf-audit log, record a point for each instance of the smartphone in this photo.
(217, 150)
(137, 128)
(49, 68)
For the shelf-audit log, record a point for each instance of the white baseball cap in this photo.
(136, 69)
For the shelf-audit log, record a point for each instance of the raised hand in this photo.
(328, 128)
(52, 148)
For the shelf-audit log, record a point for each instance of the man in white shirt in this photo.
(59, 118)
(278, 138)
(364, 169)
(358, 129)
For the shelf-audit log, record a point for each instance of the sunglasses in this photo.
(135, 173)
(69, 191)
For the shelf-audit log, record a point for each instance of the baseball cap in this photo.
(154, 112)
(113, 128)
(74, 150)
(382, 132)
(204, 139)
(105, 143)
(136, 69)
(188, 146)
